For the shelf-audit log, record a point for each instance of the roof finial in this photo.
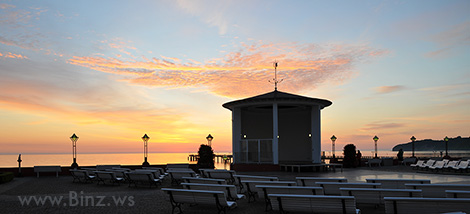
(275, 80)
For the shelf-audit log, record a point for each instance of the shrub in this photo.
(349, 152)
(6, 177)
(206, 157)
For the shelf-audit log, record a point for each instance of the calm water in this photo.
(30, 160)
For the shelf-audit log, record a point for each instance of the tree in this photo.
(349, 152)
(206, 157)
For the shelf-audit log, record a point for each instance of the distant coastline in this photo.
(458, 143)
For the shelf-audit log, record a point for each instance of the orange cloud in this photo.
(389, 89)
(244, 72)
(12, 56)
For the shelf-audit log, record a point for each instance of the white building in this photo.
(276, 128)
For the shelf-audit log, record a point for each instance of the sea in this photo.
(30, 160)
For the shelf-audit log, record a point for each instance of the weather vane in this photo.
(275, 80)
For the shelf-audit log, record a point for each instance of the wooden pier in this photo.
(217, 158)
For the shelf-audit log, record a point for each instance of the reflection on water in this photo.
(30, 160)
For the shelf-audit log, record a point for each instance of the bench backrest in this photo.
(178, 175)
(294, 190)
(240, 178)
(197, 196)
(229, 190)
(105, 175)
(47, 169)
(457, 194)
(376, 196)
(332, 188)
(437, 190)
(310, 181)
(140, 176)
(452, 164)
(462, 165)
(177, 165)
(104, 167)
(430, 162)
(399, 205)
(251, 185)
(204, 180)
(220, 174)
(313, 203)
(397, 183)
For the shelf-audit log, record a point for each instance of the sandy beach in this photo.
(24, 195)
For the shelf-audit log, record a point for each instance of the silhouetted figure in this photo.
(400, 155)
(359, 157)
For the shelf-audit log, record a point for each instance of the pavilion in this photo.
(276, 128)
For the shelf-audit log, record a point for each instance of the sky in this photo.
(111, 71)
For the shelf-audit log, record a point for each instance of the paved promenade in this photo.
(92, 198)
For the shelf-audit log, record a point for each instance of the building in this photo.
(276, 128)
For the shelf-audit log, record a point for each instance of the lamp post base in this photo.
(74, 165)
(145, 163)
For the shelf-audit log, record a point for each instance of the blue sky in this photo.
(111, 71)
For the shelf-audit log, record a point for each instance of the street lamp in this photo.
(446, 139)
(413, 146)
(375, 140)
(333, 139)
(145, 138)
(209, 140)
(74, 139)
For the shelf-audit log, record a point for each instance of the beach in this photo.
(92, 198)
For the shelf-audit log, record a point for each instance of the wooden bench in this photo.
(156, 173)
(240, 178)
(204, 180)
(371, 162)
(103, 176)
(437, 190)
(230, 190)
(397, 183)
(185, 196)
(143, 177)
(332, 188)
(294, 190)
(376, 196)
(177, 176)
(56, 169)
(313, 203)
(221, 174)
(252, 191)
(162, 171)
(310, 181)
(81, 175)
(402, 205)
(457, 194)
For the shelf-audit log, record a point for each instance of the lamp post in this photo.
(74, 139)
(375, 140)
(413, 146)
(333, 139)
(446, 139)
(209, 140)
(145, 138)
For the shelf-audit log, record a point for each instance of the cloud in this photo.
(242, 72)
(12, 55)
(456, 36)
(388, 89)
(212, 13)
(381, 126)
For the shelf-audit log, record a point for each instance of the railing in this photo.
(256, 151)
